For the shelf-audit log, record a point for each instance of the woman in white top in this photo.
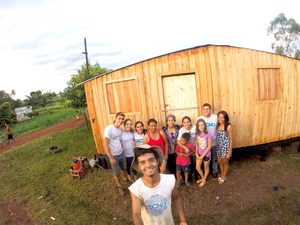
(139, 133)
(191, 129)
(127, 141)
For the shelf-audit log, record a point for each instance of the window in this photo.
(123, 96)
(269, 86)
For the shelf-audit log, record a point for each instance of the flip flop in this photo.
(121, 191)
(221, 181)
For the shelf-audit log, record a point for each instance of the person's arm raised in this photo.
(136, 210)
(178, 204)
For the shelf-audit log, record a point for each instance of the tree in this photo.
(76, 94)
(4, 97)
(7, 114)
(38, 99)
(287, 36)
(13, 93)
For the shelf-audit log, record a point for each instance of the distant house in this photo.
(22, 111)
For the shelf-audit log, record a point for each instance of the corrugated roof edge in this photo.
(172, 53)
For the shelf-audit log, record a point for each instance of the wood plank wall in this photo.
(226, 77)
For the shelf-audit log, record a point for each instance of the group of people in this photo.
(172, 149)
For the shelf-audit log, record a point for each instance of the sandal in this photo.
(120, 188)
(221, 181)
(178, 184)
(188, 183)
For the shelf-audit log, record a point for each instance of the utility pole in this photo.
(86, 58)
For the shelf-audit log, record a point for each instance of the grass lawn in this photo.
(42, 121)
(247, 197)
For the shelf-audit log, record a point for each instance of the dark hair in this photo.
(77, 111)
(198, 132)
(142, 151)
(120, 114)
(144, 130)
(151, 121)
(206, 104)
(226, 117)
(127, 121)
(186, 117)
(186, 136)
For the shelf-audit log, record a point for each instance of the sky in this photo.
(41, 41)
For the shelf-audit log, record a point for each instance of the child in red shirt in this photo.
(183, 160)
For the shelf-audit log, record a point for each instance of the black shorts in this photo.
(9, 136)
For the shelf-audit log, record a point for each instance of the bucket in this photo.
(75, 163)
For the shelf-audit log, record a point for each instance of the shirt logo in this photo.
(157, 205)
(210, 124)
(139, 140)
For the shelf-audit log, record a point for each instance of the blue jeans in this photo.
(214, 159)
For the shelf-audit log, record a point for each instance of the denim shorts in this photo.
(120, 165)
(185, 169)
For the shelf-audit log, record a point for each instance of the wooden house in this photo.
(259, 90)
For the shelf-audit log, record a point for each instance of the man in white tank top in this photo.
(211, 121)
(152, 193)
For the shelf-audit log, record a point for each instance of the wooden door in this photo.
(180, 97)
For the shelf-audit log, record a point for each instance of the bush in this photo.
(31, 114)
(36, 113)
(7, 114)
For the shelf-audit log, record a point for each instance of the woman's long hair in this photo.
(198, 132)
(226, 122)
(140, 122)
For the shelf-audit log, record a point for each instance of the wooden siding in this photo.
(225, 77)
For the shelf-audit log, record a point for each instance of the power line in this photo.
(61, 67)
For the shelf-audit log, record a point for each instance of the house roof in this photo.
(168, 54)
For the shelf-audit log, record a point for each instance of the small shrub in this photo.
(36, 113)
(30, 115)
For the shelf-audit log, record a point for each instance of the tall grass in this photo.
(42, 121)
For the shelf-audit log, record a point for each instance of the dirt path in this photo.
(53, 129)
(10, 211)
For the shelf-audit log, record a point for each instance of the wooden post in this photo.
(86, 122)
(86, 59)
(264, 154)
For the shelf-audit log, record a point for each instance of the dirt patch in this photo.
(13, 213)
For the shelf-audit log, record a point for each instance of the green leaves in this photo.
(7, 114)
(76, 94)
(287, 35)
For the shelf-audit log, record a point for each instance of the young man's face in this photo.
(148, 164)
(206, 111)
(119, 120)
